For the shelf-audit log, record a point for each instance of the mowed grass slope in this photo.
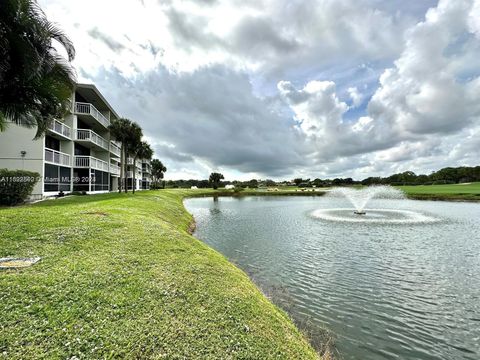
(469, 191)
(120, 277)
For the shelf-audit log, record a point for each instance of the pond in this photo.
(387, 290)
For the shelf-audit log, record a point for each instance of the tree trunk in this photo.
(122, 172)
(126, 167)
(134, 172)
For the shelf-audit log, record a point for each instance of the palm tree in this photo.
(36, 83)
(157, 170)
(215, 179)
(119, 130)
(133, 140)
(142, 151)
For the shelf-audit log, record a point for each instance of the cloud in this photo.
(210, 115)
(275, 88)
(422, 96)
(356, 96)
(110, 42)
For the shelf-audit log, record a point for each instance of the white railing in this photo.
(60, 128)
(138, 175)
(89, 135)
(138, 164)
(57, 157)
(90, 162)
(115, 169)
(89, 109)
(115, 149)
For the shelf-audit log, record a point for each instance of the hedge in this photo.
(16, 185)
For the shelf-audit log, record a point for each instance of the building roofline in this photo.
(94, 88)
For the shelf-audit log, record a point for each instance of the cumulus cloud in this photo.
(355, 96)
(210, 115)
(276, 88)
(421, 96)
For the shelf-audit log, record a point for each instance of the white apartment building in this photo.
(142, 171)
(146, 174)
(76, 154)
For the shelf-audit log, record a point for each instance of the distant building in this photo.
(229, 187)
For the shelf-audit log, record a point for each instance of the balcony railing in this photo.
(89, 135)
(60, 128)
(90, 162)
(138, 175)
(57, 157)
(138, 164)
(115, 149)
(89, 109)
(114, 169)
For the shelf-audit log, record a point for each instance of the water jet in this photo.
(360, 198)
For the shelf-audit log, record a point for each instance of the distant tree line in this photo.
(448, 175)
(216, 180)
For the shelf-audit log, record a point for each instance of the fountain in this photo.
(360, 198)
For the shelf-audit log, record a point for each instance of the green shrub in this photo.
(16, 185)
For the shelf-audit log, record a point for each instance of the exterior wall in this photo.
(15, 140)
(138, 174)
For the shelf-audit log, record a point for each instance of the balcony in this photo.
(91, 138)
(60, 129)
(90, 162)
(114, 170)
(115, 149)
(138, 175)
(57, 158)
(138, 164)
(91, 111)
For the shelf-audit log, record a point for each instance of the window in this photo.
(57, 178)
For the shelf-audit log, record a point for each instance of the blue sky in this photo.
(280, 88)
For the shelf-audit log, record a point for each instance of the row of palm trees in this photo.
(129, 134)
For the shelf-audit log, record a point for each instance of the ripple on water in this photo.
(378, 216)
(403, 286)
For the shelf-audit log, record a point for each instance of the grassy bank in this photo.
(452, 192)
(120, 277)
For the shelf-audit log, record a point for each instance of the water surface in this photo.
(387, 290)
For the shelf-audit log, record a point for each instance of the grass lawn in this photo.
(120, 277)
(469, 191)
